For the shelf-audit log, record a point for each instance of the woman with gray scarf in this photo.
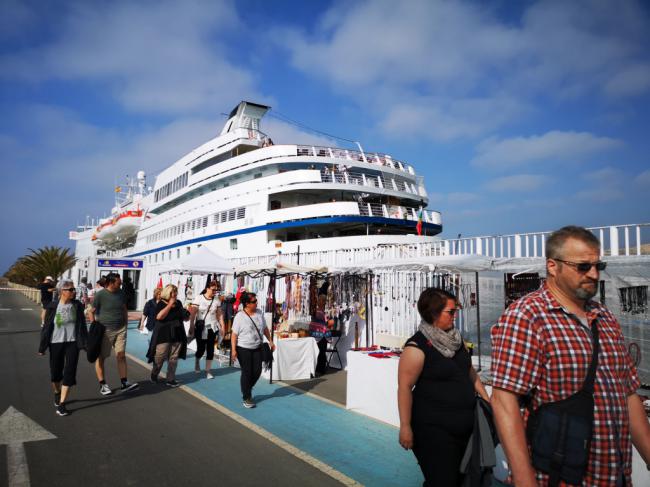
(436, 390)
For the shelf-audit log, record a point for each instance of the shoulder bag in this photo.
(560, 432)
(199, 326)
(267, 354)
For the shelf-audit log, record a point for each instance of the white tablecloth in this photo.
(294, 358)
(372, 386)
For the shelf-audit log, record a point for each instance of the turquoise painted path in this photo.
(357, 446)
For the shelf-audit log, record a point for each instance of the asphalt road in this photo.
(153, 436)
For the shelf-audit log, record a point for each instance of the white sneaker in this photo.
(208, 375)
(104, 390)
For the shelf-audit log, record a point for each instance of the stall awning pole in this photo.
(273, 278)
(478, 323)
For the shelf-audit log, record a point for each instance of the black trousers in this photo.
(321, 363)
(250, 361)
(439, 450)
(63, 362)
(206, 345)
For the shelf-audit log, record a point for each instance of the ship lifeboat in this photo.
(119, 228)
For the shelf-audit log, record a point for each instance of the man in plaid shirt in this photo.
(542, 343)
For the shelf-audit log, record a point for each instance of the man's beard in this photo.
(586, 294)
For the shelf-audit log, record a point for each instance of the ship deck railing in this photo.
(383, 160)
(370, 180)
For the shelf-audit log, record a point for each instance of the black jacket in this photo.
(80, 330)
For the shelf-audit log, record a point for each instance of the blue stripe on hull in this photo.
(433, 228)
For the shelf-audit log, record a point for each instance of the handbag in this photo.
(199, 325)
(559, 433)
(267, 354)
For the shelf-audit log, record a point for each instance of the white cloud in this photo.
(165, 59)
(552, 146)
(465, 52)
(461, 198)
(517, 183)
(601, 195)
(605, 175)
(635, 80)
(643, 179)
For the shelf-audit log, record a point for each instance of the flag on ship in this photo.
(418, 227)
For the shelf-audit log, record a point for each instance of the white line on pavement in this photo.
(5, 309)
(26, 309)
(305, 457)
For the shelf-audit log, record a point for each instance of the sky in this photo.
(521, 116)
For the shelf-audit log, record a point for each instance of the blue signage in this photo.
(126, 264)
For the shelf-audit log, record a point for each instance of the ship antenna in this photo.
(284, 118)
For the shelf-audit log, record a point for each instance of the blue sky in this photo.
(521, 116)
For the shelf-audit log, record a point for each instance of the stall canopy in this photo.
(277, 268)
(201, 261)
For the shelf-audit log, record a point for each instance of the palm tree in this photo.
(47, 261)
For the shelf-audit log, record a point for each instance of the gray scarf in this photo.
(446, 342)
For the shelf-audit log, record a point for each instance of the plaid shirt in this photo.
(538, 344)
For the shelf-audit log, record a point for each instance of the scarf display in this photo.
(446, 342)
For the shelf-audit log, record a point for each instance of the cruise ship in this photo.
(242, 196)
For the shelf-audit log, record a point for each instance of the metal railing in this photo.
(377, 158)
(614, 240)
(30, 292)
(370, 180)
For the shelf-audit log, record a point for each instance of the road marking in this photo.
(26, 309)
(305, 457)
(5, 309)
(15, 430)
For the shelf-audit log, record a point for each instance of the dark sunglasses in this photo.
(71, 289)
(451, 312)
(584, 267)
(253, 301)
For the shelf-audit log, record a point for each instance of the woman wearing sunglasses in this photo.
(64, 333)
(436, 391)
(246, 345)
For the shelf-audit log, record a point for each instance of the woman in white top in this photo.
(64, 333)
(206, 322)
(246, 345)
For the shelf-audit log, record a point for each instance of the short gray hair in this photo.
(66, 283)
(558, 238)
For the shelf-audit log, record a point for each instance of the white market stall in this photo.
(294, 358)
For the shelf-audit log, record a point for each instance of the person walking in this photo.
(246, 345)
(168, 341)
(47, 288)
(148, 320)
(543, 347)
(64, 333)
(436, 391)
(206, 323)
(109, 308)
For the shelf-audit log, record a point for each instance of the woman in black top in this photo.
(149, 312)
(168, 341)
(436, 390)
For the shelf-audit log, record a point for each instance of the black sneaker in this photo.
(104, 390)
(61, 410)
(57, 399)
(172, 383)
(128, 386)
(154, 378)
(249, 403)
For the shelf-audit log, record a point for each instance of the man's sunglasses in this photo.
(451, 312)
(71, 289)
(584, 267)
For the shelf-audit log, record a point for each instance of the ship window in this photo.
(178, 253)
(162, 257)
(257, 176)
(215, 218)
(276, 204)
(193, 223)
(241, 213)
(231, 214)
(224, 216)
(188, 250)
(156, 256)
(170, 255)
(233, 244)
(205, 221)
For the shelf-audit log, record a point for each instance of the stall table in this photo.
(372, 386)
(294, 358)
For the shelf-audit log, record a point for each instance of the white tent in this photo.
(201, 261)
(277, 268)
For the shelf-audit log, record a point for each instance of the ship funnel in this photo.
(246, 115)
